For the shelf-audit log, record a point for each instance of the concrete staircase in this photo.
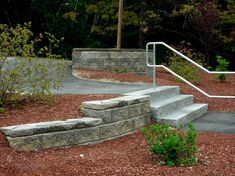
(169, 106)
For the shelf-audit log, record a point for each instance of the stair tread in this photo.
(151, 90)
(183, 112)
(157, 104)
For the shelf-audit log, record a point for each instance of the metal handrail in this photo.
(175, 74)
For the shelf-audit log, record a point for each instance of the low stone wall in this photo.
(124, 60)
(108, 119)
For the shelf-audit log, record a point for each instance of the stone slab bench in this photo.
(108, 119)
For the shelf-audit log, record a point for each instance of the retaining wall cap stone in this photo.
(103, 104)
(6, 129)
(109, 49)
(115, 102)
(133, 99)
(87, 120)
(21, 130)
(46, 127)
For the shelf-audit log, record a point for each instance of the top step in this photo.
(159, 93)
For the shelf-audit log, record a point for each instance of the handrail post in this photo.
(154, 68)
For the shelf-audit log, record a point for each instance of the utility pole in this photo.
(119, 33)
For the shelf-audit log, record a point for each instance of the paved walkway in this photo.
(216, 121)
(73, 85)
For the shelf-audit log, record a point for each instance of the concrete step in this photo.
(159, 93)
(184, 115)
(164, 107)
(168, 106)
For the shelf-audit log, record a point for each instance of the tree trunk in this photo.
(142, 27)
(119, 33)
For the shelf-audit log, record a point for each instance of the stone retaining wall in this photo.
(124, 60)
(108, 119)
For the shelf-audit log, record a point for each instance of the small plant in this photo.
(184, 69)
(223, 66)
(171, 146)
(1, 108)
(120, 70)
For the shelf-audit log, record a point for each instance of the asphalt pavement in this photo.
(217, 122)
(74, 85)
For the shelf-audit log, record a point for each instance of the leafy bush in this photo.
(223, 66)
(184, 69)
(120, 70)
(23, 72)
(186, 49)
(1, 108)
(171, 146)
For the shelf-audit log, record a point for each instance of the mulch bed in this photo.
(65, 107)
(124, 156)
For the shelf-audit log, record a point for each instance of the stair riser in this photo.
(171, 107)
(164, 94)
(186, 119)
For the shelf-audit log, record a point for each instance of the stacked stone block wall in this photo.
(124, 60)
(108, 119)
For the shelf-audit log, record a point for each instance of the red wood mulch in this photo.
(124, 156)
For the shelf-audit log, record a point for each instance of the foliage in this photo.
(170, 145)
(207, 24)
(22, 72)
(183, 67)
(228, 16)
(227, 24)
(137, 16)
(1, 108)
(186, 48)
(120, 70)
(223, 66)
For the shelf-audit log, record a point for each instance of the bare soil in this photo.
(124, 156)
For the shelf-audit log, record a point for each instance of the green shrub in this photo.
(120, 70)
(223, 66)
(171, 146)
(25, 73)
(1, 108)
(184, 69)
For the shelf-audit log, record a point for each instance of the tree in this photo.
(119, 31)
(227, 23)
(204, 20)
(207, 24)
